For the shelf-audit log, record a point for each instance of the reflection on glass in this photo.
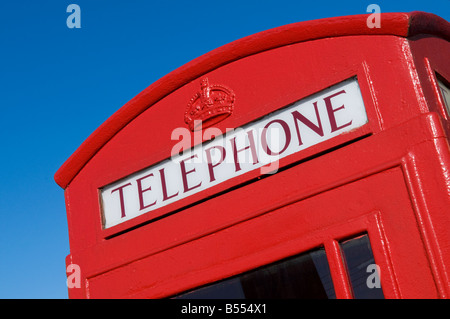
(361, 268)
(306, 276)
(445, 92)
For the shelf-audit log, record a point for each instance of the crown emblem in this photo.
(211, 105)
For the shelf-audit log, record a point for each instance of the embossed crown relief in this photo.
(214, 103)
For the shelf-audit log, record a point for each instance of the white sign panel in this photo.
(296, 127)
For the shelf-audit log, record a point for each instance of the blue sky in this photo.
(57, 85)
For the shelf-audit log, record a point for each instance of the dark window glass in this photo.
(444, 88)
(305, 276)
(361, 268)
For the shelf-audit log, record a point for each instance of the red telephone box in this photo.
(310, 160)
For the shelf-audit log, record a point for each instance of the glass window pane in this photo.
(303, 276)
(361, 268)
(445, 92)
(226, 289)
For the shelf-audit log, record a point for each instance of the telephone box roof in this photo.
(395, 24)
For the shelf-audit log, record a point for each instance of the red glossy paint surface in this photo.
(390, 177)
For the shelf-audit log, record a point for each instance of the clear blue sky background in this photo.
(57, 85)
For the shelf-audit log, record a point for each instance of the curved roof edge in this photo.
(396, 24)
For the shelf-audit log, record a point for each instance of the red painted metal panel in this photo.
(286, 231)
(430, 56)
(268, 74)
(330, 171)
